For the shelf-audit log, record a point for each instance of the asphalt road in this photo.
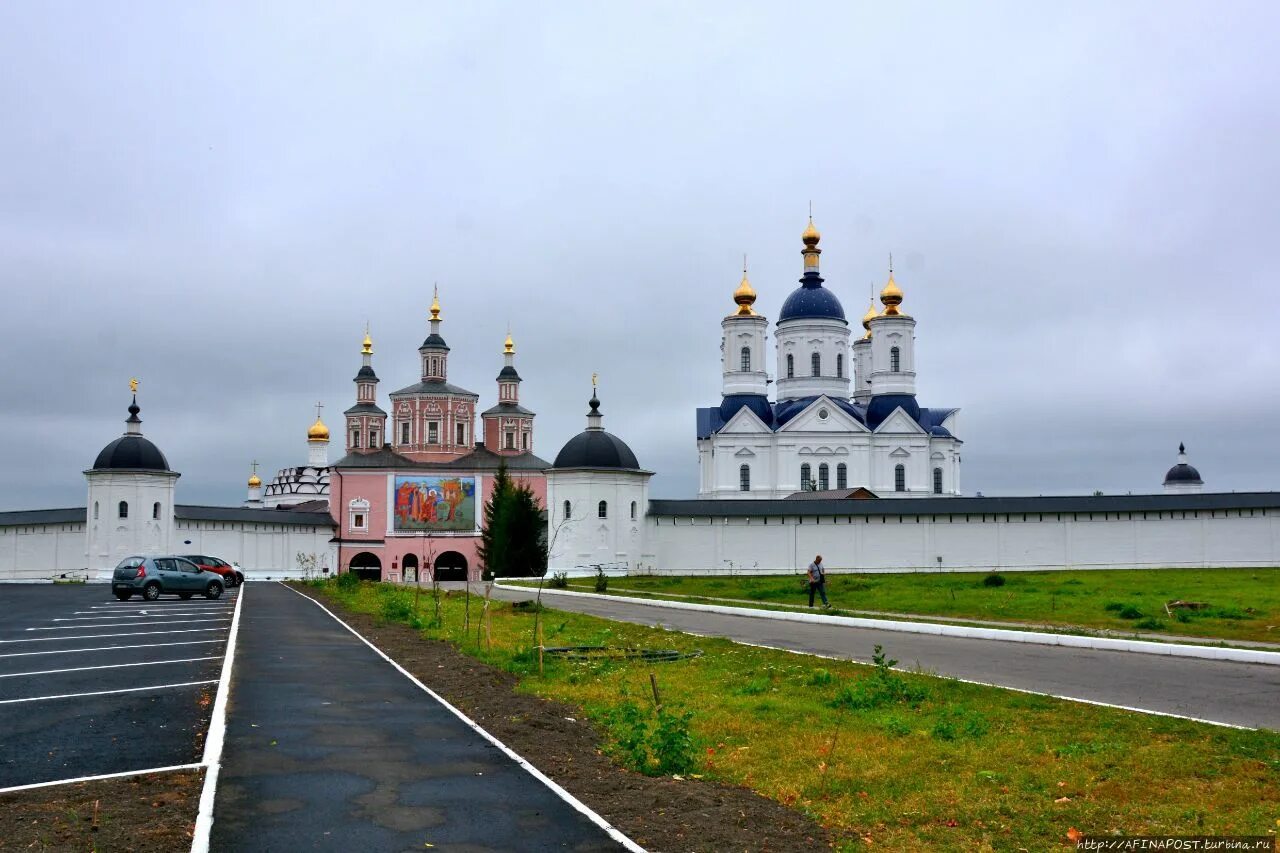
(67, 652)
(329, 747)
(1238, 694)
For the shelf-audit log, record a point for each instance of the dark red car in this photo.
(230, 576)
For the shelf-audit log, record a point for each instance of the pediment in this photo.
(745, 422)
(900, 453)
(837, 420)
(900, 421)
(745, 453)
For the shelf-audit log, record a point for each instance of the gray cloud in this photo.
(1080, 201)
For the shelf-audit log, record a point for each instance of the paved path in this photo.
(329, 747)
(90, 685)
(1239, 694)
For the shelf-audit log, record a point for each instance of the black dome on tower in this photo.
(1183, 472)
(595, 448)
(131, 452)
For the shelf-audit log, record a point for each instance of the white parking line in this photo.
(107, 692)
(169, 769)
(109, 625)
(111, 636)
(142, 615)
(148, 610)
(105, 648)
(105, 666)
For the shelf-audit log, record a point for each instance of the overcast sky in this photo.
(1081, 199)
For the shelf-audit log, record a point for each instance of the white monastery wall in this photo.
(40, 551)
(1203, 538)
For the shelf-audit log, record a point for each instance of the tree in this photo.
(494, 536)
(527, 535)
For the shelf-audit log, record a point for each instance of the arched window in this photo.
(824, 474)
(815, 365)
(804, 477)
(746, 358)
(744, 478)
(462, 435)
(602, 509)
(155, 509)
(633, 510)
(95, 510)
(895, 359)
(124, 509)
(791, 366)
(568, 514)
(840, 365)
(900, 478)
(842, 476)
(937, 481)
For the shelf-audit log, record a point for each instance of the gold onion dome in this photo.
(509, 346)
(868, 317)
(891, 296)
(367, 347)
(811, 235)
(318, 431)
(254, 481)
(435, 304)
(745, 295)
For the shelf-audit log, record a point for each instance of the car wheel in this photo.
(239, 579)
(184, 595)
(213, 590)
(151, 591)
(124, 596)
(231, 580)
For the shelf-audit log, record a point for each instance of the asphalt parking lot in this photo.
(91, 686)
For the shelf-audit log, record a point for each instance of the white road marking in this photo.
(106, 692)
(573, 801)
(111, 636)
(142, 615)
(104, 666)
(154, 611)
(169, 769)
(105, 648)
(213, 743)
(109, 625)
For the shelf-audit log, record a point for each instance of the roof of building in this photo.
(712, 419)
(366, 374)
(434, 341)
(858, 494)
(1183, 472)
(508, 374)
(365, 409)
(970, 505)
(480, 459)
(595, 448)
(300, 514)
(433, 386)
(131, 452)
(811, 301)
(507, 409)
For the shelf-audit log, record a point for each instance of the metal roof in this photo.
(969, 506)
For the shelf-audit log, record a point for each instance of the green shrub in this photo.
(897, 726)
(1113, 606)
(1130, 612)
(655, 745)
(883, 687)
(602, 580)
(993, 580)
(348, 581)
(397, 608)
(754, 687)
(559, 580)
(820, 678)
(1149, 624)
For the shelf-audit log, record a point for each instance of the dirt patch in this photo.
(658, 813)
(153, 813)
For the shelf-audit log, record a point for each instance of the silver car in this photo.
(152, 576)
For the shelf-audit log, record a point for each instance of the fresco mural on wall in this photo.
(435, 503)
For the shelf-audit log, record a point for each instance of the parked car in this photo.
(152, 576)
(231, 574)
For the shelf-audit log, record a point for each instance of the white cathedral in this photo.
(840, 425)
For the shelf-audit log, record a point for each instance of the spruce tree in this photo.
(527, 534)
(494, 535)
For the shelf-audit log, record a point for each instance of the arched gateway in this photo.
(410, 568)
(451, 566)
(366, 566)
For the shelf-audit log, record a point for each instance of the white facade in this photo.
(129, 512)
(605, 521)
(813, 359)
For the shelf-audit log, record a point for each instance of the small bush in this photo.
(602, 580)
(1130, 612)
(559, 580)
(655, 746)
(820, 678)
(397, 608)
(993, 580)
(754, 687)
(884, 687)
(1149, 624)
(897, 726)
(348, 581)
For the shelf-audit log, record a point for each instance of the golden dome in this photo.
(435, 304)
(868, 317)
(811, 235)
(745, 295)
(891, 296)
(318, 431)
(255, 481)
(509, 347)
(367, 347)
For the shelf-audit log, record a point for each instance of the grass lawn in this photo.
(904, 761)
(1244, 603)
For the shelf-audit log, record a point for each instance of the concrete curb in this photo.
(999, 634)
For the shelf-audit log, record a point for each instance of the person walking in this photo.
(818, 581)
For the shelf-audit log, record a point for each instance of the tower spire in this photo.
(810, 238)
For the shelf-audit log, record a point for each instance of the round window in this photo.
(822, 414)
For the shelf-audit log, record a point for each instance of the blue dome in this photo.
(757, 403)
(811, 301)
(883, 405)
